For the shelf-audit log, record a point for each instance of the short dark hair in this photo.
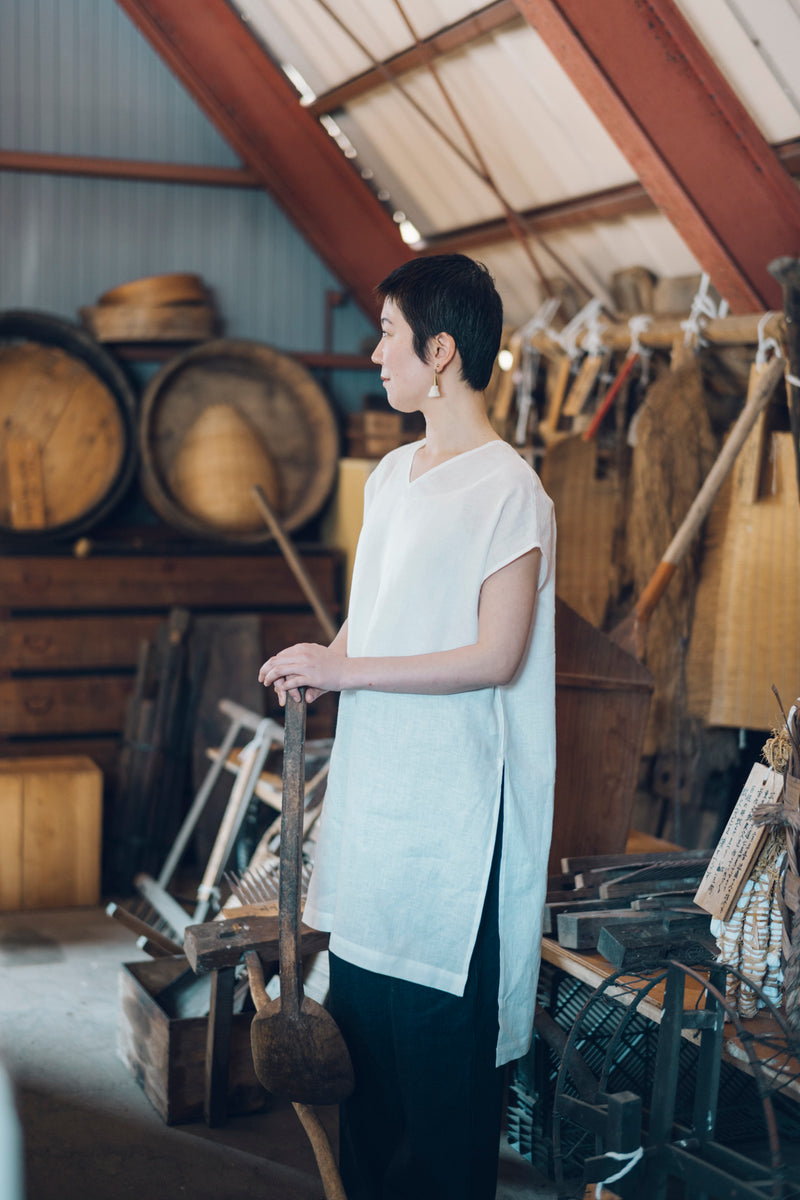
(450, 293)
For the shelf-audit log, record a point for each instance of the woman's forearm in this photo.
(505, 613)
(464, 669)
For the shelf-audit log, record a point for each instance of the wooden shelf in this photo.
(70, 631)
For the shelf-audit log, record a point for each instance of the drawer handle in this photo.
(38, 706)
(37, 643)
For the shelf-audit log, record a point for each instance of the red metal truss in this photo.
(214, 54)
(693, 145)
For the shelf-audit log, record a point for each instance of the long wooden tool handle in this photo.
(295, 564)
(291, 855)
(756, 403)
(609, 398)
(326, 1163)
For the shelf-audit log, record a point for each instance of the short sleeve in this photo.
(524, 522)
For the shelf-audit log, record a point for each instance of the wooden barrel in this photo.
(68, 450)
(224, 416)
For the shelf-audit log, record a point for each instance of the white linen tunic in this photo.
(411, 809)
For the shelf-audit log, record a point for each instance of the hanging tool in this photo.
(630, 632)
(636, 325)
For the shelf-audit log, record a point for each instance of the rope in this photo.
(630, 1159)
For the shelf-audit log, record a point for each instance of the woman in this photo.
(430, 866)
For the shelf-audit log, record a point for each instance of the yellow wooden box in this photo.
(51, 822)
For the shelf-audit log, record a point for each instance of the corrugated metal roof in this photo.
(756, 44)
(534, 134)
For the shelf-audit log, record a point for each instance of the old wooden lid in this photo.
(272, 394)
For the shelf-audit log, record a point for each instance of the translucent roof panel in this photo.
(311, 34)
(498, 125)
(756, 45)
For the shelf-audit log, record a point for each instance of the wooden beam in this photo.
(608, 205)
(690, 140)
(444, 41)
(123, 168)
(213, 53)
(626, 200)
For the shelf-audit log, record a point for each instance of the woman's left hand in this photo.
(316, 668)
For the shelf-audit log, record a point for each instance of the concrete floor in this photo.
(88, 1130)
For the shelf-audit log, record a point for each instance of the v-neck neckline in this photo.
(453, 458)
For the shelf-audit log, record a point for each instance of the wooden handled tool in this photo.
(298, 1052)
(326, 1163)
(629, 634)
(295, 563)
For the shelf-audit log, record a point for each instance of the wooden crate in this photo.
(167, 1055)
(51, 817)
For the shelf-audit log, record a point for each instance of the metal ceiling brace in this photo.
(692, 143)
(213, 53)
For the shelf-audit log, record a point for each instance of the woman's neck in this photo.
(454, 423)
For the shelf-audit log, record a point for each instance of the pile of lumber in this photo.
(633, 909)
(154, 760)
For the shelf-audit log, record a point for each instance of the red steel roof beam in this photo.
(214, 54)
(692, 143)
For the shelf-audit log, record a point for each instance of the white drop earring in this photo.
(435, 385)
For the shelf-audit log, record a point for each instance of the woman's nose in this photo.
(376, 353)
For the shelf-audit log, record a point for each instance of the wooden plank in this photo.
(629, 859)
(633, 946)
(11, 791)
(26, 491)
(632, 887)
(552, 910)
(72, 642)
(63, 704)
(218, 1047)
(224, 581)
(217, 944)
(580, 931)
(677, 866)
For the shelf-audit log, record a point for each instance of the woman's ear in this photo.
(442, 350)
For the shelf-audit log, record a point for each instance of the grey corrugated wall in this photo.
(76, 77)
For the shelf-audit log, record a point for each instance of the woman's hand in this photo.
(318, 669)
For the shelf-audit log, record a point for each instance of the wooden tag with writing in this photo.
(25, 485)
(739, 846)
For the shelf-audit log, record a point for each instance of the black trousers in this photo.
(424, 1119)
